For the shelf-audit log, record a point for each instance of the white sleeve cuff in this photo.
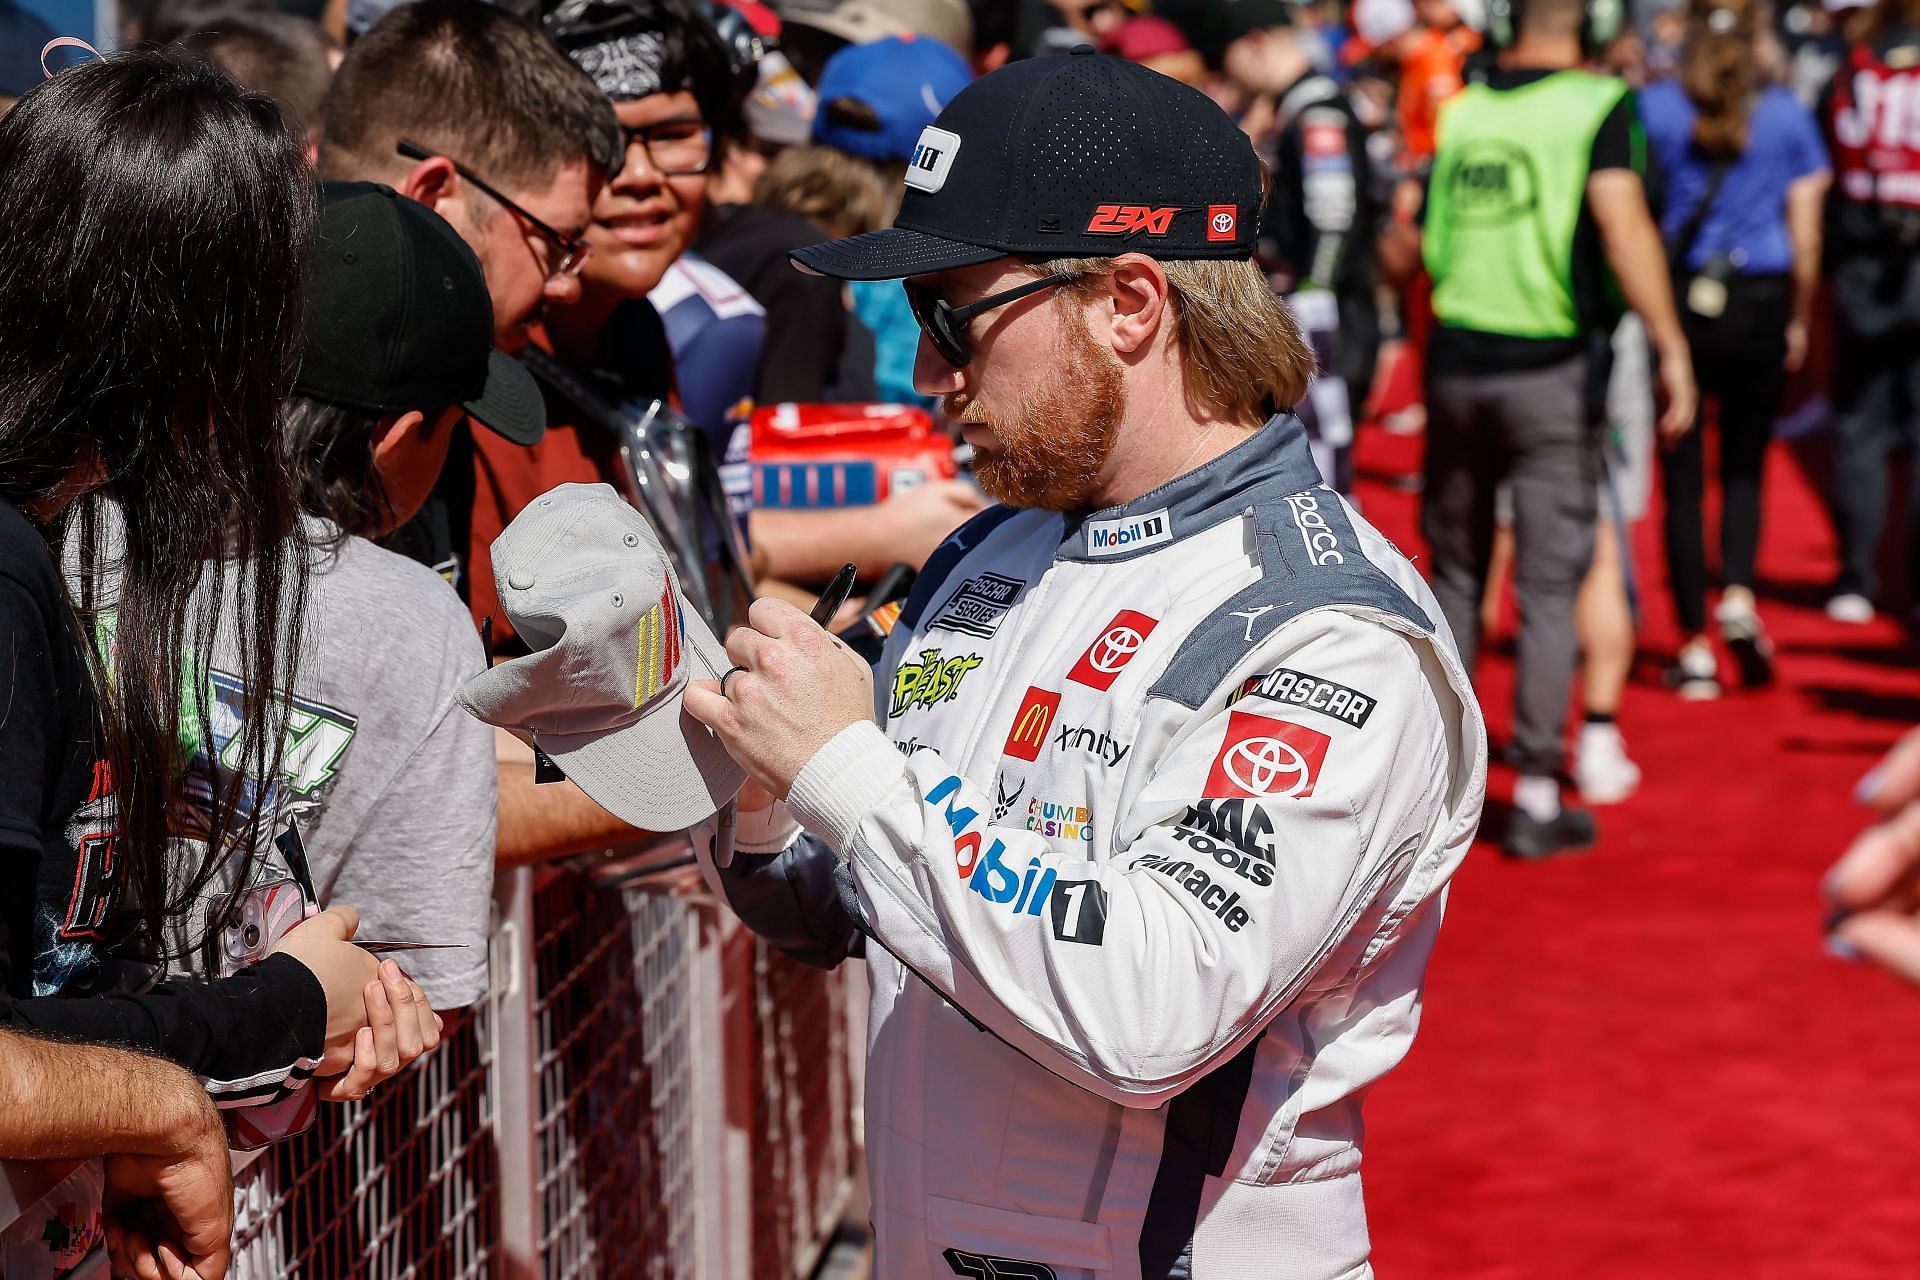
(767, 830)
(840, 785)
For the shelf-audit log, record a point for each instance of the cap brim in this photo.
(891, 254)
(665, 771)
(511, 404)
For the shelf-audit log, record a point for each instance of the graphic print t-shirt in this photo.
(391, 784)
(57, 822)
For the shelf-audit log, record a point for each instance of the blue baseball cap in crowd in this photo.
(904, 80)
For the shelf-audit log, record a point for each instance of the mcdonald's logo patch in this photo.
(1031, 722)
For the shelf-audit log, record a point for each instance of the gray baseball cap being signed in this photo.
(588, 587)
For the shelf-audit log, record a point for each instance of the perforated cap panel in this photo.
(1082, 155)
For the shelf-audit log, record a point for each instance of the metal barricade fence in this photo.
(401, 1185)
(802, 1115)
(647, 1092)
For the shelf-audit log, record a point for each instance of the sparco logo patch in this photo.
(977, 605)
(1323, 547)
(1263, 758)
(1298, 689)
(932, 159)
(1128, 533)
(1131, 219)
(1113, 650)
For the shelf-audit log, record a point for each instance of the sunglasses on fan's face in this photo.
(946, 326)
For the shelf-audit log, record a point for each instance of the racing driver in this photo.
(1144, 825)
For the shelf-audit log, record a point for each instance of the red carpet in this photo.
(1640, 1062)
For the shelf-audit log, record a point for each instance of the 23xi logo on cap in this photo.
(1263, 758)
(1132, 219)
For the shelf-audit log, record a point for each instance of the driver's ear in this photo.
(1137, 287)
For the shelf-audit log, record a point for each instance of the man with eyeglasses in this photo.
(1144, 822)
(475, 114)
(478, 115)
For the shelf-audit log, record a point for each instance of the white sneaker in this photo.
(1695, 674)
(1601, 768)
(1850, 607)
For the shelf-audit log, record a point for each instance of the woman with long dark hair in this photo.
(154, 220)
(1746, 174)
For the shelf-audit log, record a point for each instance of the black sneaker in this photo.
(1748, 643)
(1568, 831)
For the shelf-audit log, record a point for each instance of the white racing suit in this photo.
(1146, 855)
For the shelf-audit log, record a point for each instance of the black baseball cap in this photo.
(1072, 157)
(399, 317)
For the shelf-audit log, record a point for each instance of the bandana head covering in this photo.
(619, 43)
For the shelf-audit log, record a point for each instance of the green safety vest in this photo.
(1509, 183)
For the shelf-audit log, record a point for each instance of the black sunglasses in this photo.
(946, 326)
(573, 253)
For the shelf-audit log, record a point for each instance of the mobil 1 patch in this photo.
(1291, 688)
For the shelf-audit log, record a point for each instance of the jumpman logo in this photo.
(1253, 615)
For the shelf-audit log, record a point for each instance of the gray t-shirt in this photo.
(392, 785)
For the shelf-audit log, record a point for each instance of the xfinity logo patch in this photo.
(1323, 548)
(1128, 533)
(932, 159)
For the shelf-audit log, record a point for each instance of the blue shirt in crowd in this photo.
(1748, 221)
(882, 306)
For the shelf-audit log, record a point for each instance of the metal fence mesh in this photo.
(615, 1111)
(575, 1145)
(401, 1185)
(802, 1112)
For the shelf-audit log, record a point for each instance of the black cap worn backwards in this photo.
(399, 317)
(1081, 156)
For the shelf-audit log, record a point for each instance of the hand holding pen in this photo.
(792, 688)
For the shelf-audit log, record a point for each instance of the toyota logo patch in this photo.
(1112, 649)
(1266, 759)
